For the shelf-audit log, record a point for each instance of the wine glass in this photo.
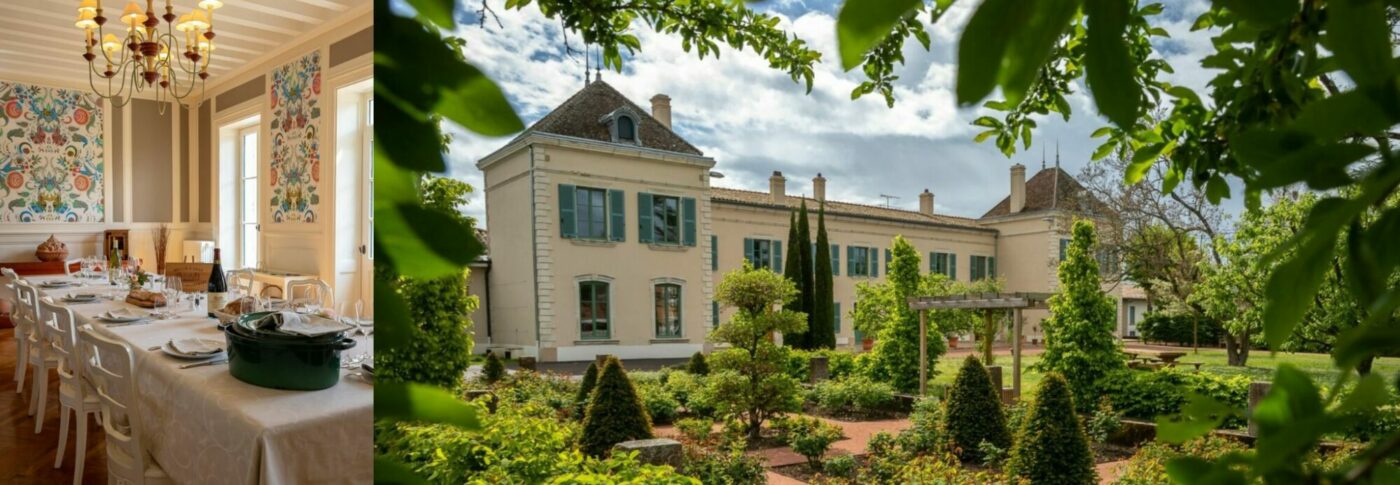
(172, 290)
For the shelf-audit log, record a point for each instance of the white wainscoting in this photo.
(18, 241)
(293, 251)
(624, 352)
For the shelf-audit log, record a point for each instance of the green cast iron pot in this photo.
(282, 361)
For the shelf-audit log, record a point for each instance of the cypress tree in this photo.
(697, 365)
(974, 412)
(1079, 340)
(494, 370)
(615, 413)
(823, 332)
(792, 270)
(1051, 446)
(585, 388)
(806, 288)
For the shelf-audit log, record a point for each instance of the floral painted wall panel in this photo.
(296, 126)
(51, 156)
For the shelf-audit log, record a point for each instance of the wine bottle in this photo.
(218, 286)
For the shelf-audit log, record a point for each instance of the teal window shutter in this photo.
(644, 217)
(617, 223)
(1064, 248)
(992, 267)
(688, 221)
(874, 264)
(953, 266)
(887, 261)
(850, 260)
(714, 252)
(714, 313)
(836, 316)
(932, 262)
(748, 251)
(777, 256)
(567, 221)
(836, 260)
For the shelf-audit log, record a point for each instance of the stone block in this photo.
(656, 451)
(819, 369)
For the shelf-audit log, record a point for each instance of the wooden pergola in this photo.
(978, 301)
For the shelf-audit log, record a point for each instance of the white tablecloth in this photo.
(203, 426)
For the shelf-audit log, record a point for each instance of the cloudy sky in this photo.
(753, 119)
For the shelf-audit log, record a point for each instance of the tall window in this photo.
(1064, 249)
(944, 264)
(764, 254)
(248, 196)
(860, 261)
(666, 219)
(982, 267)
(369, 177)
(668, 310)
(593, 310)
(591, 212)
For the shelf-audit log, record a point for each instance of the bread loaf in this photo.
(145, 299)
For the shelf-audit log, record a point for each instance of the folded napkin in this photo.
(195, 346)
(123, 313)
(145, 299)
(307, 325)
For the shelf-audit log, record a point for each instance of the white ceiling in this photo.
(38, 42)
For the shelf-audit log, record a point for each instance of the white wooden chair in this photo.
(32, 352)
(110, 367)
(43, 358)
(310, 291)
(75, 395)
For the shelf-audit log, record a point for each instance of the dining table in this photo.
(204, 426)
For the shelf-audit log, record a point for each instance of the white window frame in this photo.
(243, 226)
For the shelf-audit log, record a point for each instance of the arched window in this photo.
(668, 310)
(626, 129)
(593, 310)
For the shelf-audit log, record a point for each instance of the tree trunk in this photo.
(1364, 367)
(1237, 349)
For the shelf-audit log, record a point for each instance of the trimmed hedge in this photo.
(854, 396)
(1051, 446)
(615, 412)
(1176, 329)
(1148, 394)
(585, 389)
(494, 370)
(974, 412)
(697, 365)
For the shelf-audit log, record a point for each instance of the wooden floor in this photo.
(26, 457)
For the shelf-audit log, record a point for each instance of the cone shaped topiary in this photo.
(974, 412)
(1051, 446)
(585, 389)
(615, 413)
(494, 370)
(697, 365)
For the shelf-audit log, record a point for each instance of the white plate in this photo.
(80, 298)
(170, 350)
(106, 317)
(57, 284)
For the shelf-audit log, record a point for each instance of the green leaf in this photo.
(388, 471)
(1170, 180)
(423, 242)
(1366, 110)
(987, 121)
(1185, 93)
(1199, 416)
(437, 11)
(1198, 471)
(1358, 31)
(1262, 13)
(983, 136)
(1217, 189)
(423, 403)
(1029, 48)
(1356, 344)
(982, 46)
(1104, 150)
(396, 323)
(863, 24)
(1291, 288)
(407, 140)
(1108, 66)
(1142, 160)
(1368, 394)
(1104, 131)
(479, 105)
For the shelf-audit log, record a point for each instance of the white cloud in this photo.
(753, 119)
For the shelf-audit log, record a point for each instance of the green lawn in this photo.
(1261, 366)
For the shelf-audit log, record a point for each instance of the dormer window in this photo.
(622, 126)
(626, 129)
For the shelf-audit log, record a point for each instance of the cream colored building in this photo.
(607, 237)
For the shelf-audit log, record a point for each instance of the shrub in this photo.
(494, 370)
(1377, 423)
(992, 455)
(660, 404)
(809, 437)
(1177, 328)
(856, 395)
(974, 412)
(1149, 394)
(1149, 465)
(1104, 422)
(694, 429)
(1051, 446)
(797, 363)
(690, 391)
(615, 412)
(697, 365)
(748, 377)
(552, 391)
(724, 466)
(1079, 339)
(840, 364)
(585, 388)
(839, 466)
(944, 470)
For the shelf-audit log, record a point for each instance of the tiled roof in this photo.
(579, 117)
(753, 198)
(1042, 194)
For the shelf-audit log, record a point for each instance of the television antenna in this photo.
(888, 198)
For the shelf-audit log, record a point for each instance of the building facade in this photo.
(607, 237)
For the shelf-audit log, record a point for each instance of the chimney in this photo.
(926, 203)
(777, 187)
(661, 109)
(819, 187)
(1018, 188)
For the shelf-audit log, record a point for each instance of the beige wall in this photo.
(733, 223)
(507, 189)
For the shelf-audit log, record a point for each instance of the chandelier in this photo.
(145, 57)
